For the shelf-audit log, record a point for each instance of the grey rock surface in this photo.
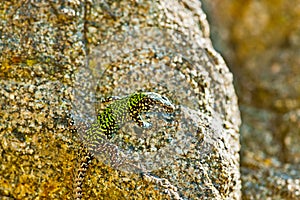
(58, 59)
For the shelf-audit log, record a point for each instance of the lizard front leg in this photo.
(141, 122)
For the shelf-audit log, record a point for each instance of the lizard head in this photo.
(143, 102)
(152, 99)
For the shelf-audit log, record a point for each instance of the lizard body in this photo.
(109, 121)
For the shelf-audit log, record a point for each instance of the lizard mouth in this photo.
(162, 108)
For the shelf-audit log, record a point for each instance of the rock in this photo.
(58, 60)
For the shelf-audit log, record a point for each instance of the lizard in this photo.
(107, 124)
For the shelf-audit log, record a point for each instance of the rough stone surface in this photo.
(104, 48)
(260, 40)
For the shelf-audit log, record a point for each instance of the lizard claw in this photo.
(146, 125)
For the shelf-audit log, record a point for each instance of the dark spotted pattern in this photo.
(108, 122)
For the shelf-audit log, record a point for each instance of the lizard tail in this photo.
(80, 174)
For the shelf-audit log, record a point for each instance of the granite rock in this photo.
(58, 59)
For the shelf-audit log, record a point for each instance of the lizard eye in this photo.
(164, 99)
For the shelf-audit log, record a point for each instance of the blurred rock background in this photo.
(260, 41)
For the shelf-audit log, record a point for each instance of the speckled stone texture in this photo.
(56, 57)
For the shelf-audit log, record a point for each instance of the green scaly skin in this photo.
(109, 121)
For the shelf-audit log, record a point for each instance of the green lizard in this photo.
(109, 121)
